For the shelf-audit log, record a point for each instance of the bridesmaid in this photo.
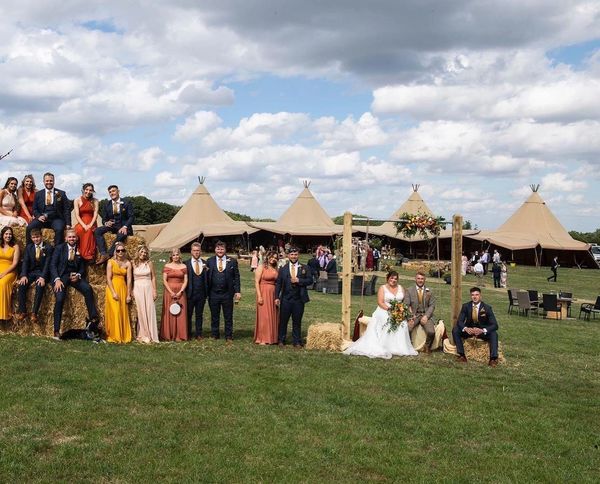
(86, 213)
(26, 194)
(9, 258)
(173, 327)
(144, 293)
(9, 214)
(267, 313)
(118, 296)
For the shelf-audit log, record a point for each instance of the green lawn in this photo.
(181, 412)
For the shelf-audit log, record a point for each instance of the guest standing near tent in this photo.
(144, 293)
(267, 312)
(173, 326)
(224, 288)
(9, 258)
(554, 268)
(118, 296)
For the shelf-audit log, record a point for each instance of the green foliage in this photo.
(589, 237)
(468, 225)
(339, 220)
(239, 216)
(148, 212)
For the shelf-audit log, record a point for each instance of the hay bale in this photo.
(324, 336)
(479, 350)
(74, 312)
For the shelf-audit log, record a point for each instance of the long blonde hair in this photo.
(136, 259)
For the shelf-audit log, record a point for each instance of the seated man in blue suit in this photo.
(51, 209)
(291, 296)
(476, 319)
(67, 268)
(34, 271)
(118, 219)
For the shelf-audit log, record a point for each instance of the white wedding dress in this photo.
(377, 342)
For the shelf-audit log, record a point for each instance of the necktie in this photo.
(293, 270)
(196, 267)
(420, 295)
(48, 197)
(475, 314)
(71, 253)
(38, 252)
(220, 265)
(115, 208)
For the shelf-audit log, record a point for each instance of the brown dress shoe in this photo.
(228, 341)
(493, 363)
(33, 318)
(18, 317)
(427, 350)
(102, 259)
(199, 338)
(461, 359)
(281, 345)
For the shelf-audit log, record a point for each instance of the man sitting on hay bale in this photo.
(476, 319)
(34, 271)
(421, 302)
(67, 269)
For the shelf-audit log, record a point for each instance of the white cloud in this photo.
(167, 179)
(198, 124)
(561, 182)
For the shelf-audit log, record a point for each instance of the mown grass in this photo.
(202, 411)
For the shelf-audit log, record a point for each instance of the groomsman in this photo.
(421, 302)
(67, 269)
(223, 289)
(117, 217)
(34, 271)
(291, 295)
(476, 319)
(197, 289)
(51, 209)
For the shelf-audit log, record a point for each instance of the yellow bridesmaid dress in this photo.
(7, 282)
(116, 313)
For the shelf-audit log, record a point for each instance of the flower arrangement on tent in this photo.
(425, 225)
(398, 313)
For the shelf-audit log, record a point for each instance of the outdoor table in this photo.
(562, 314)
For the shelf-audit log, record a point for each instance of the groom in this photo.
(421, 302)
(291, 295)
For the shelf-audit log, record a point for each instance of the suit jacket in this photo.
(29, 260)
(487, 320)
(191, 274)
(283, 285)
(314, 266)
(61, 204)
(411, 299)
(58, 264)
(127, 215)
(232, 274)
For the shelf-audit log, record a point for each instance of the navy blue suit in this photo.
(196, 292)
(58, 214)
(61, 268)
(123, 218)
(222, 286)
(33, 269)
(487, 321)
(292, 298)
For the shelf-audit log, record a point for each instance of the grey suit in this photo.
(420, 309)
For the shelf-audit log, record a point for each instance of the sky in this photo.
(473, 100)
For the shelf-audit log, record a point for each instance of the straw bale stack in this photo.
(425, 266)
(324, 336)
(74, 310)
(479, 350)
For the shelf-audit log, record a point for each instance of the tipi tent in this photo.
(533, 226)
(414, 204)
(304, 217)
(148, 232)
(200, 215)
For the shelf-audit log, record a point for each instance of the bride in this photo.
(378, 342)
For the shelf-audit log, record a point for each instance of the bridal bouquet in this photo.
(398, 314)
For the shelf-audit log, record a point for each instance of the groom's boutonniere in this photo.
(58, 197)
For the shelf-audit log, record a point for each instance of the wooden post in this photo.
(455, 290)
(347, 275)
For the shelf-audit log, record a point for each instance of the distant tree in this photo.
(468, 225)
(148, 212)
(589, 237)
(339, 220)
(239, 216)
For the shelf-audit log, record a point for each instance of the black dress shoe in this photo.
(281, 345)
(493, 363)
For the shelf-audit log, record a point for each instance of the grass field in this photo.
(202, 411)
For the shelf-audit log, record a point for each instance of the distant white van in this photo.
(595, 250)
